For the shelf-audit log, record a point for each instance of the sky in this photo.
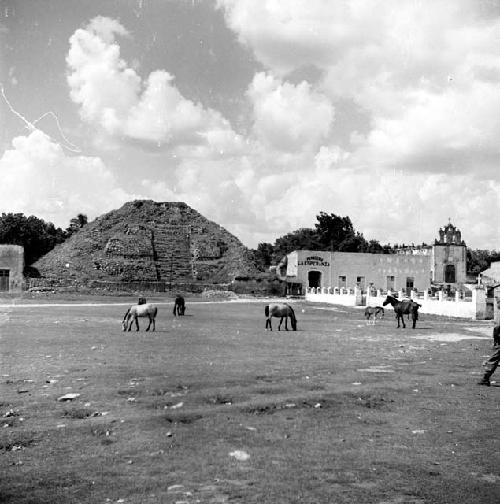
(257, 114)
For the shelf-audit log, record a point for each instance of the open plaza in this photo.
(212, 408)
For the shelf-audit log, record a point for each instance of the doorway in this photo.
(4, 280)
(314, 279)
(449, 273)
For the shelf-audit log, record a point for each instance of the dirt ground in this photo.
(212, 408)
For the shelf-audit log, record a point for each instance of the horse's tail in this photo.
(266, 310)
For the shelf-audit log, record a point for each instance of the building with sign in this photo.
(440, 265)
(11, 268)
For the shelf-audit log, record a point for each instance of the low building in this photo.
(442, 265)
(11, 268)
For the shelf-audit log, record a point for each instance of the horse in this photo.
(179, 306)
(283, 311)
(407, 306)
(139, 310)
(376, 311)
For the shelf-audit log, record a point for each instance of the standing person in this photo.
(492, 363)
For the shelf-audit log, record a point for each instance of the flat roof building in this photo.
(442, 264)
(11, 268)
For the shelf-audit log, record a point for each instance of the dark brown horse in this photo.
(283, 311)
(179, 306)
(405, 307)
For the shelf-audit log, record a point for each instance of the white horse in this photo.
(134, 312)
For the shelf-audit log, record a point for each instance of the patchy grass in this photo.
(212, 408)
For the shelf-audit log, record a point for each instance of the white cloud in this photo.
(288, 117)
(426, 76)
(112, 95)
(39, 178)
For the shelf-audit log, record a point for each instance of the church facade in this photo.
(442, 265)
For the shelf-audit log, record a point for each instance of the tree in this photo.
(76, 223)
(332, 230)
(331, 233)
(301, 239)
(263, 255)
(480, 260)
(35, 235)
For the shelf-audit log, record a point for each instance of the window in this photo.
(342, 282)
(360, 282)
(410, 281)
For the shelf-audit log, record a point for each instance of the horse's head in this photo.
(294, 323)
(387, 301)
(125, 320)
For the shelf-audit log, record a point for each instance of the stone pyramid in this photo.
(149, 241)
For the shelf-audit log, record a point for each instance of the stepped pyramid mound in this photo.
(149, 241)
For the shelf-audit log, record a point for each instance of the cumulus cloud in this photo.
(289, 117)
(112, 95)
(425, 76)
(38, 175)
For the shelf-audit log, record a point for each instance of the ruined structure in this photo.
(149, 241)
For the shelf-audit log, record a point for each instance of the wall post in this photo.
(358, 296)
(479, 301)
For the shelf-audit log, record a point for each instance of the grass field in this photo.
(211, 408)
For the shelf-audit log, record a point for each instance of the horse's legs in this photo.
(403, 320)
(147, 328)
(286, 322)
(268, 324)
(136, 323)
(154, 324)
(279, 326)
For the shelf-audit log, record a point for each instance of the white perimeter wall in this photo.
(473, 308)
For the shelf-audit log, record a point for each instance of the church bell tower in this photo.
(449, 257)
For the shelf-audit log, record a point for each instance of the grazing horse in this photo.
(179, 306)
(283, 311)
(376, 311)
(134, 312)
(403, 307)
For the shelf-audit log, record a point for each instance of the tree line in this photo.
(330, 232)
(35, 235)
